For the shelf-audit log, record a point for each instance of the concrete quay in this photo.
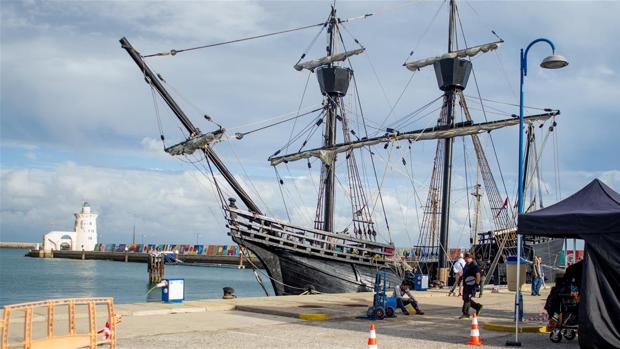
(273, 322)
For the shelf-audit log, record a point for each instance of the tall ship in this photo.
(327, 257)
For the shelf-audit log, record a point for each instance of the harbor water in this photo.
(25, 279)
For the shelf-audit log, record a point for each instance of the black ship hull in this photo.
(293, 273)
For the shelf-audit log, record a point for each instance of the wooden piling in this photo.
(155, 268)
(241, 252)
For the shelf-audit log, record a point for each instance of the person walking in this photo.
(457, 268)
(471, 284)
(536, 276)
(542, 275)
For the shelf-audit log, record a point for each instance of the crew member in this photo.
(471, 284)
(401, 302)
(457, 268)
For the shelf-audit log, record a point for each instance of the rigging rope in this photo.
(510, 104)
(428, 27)
(173, 52)
(280, 184)
(248, 178)
(397, 100)
(240, 135)
(473, 71)
(374, 168)
(466, 184)
(303, 55)
(301, 200)
(301, 102)
(372, 67)
(187, 100)
(556, 162)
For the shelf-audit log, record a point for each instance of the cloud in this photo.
(68, 87)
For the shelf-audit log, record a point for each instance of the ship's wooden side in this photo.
(301, 259)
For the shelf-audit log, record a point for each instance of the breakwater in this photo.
(142, 257)
(21, 245)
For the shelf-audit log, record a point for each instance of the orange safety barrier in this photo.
(72, 339)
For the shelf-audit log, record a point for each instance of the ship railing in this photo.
(246, 225)
(491, 237)
(425, 254)
(47, 327)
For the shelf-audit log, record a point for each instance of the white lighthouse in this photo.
(83, 236)
(85, 229)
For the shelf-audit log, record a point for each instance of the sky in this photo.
(78, 123)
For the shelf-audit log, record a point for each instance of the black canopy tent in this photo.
(591, 214)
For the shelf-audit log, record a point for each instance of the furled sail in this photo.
(195, 142)
(468, 52)
(461, 129)
(311, 65)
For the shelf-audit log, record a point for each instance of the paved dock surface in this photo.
(272, 322)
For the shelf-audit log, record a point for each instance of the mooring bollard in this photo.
(229, 293)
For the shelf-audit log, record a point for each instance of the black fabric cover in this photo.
(591, 214)
(599, 310)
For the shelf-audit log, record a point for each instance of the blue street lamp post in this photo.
(551, 62)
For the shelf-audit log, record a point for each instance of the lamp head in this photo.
(554, 62)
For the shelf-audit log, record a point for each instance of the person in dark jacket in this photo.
(471, 285)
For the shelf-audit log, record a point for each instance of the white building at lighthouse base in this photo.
(83, 238)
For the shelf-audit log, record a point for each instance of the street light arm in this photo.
(527, 49)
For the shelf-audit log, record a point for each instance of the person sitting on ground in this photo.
(471, 285)
(401, 302)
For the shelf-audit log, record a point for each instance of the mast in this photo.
(330, 136)
(477, 195)
(153, 81)
(449, 99)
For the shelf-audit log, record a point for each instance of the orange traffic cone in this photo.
(474, 334)
(372, 338)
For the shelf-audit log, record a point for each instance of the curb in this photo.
(276, 312)
(267, 311)
(168, 311)
(504, 327)
(313, 317)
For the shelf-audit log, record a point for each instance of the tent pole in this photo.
(518, 292)
(574, 251)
